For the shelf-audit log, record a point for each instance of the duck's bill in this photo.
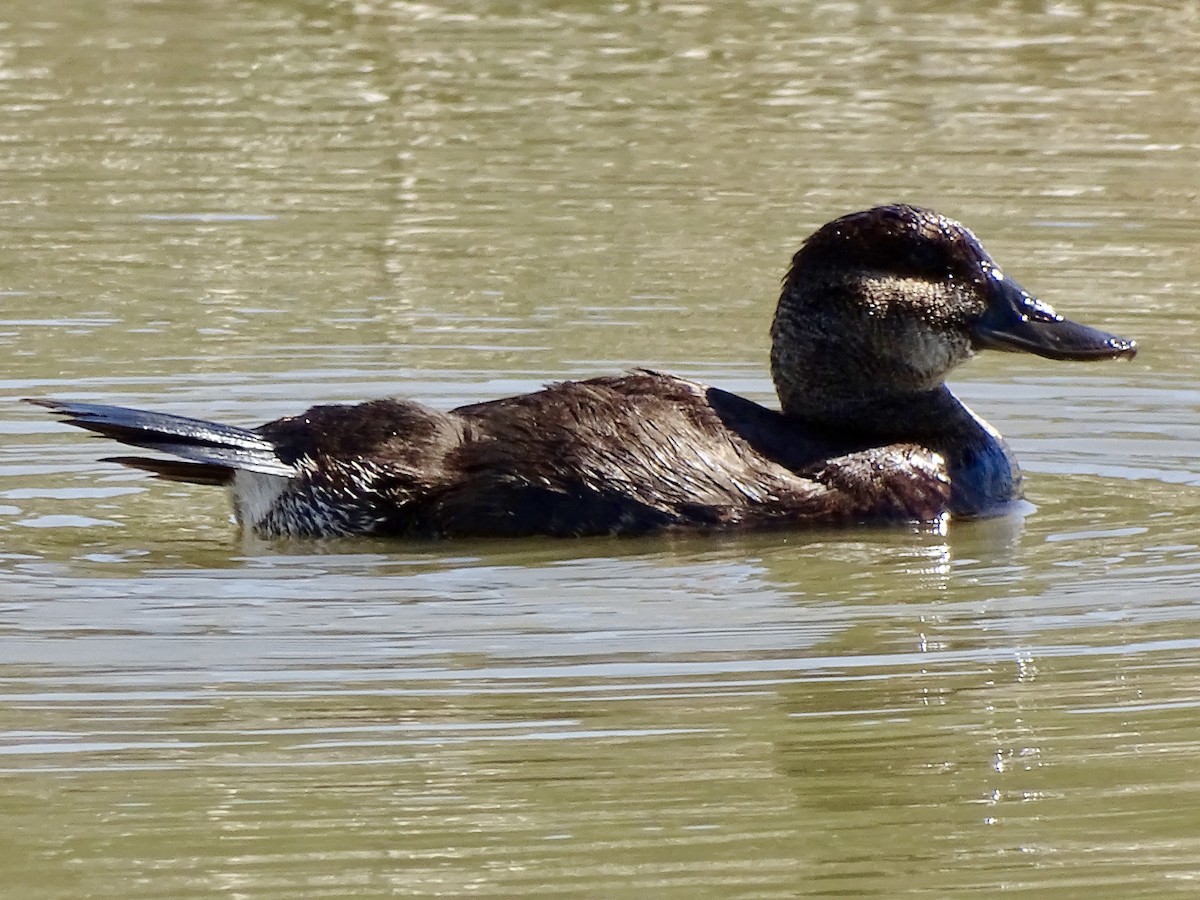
(1020, 323)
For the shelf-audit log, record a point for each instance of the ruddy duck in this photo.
(877, 308)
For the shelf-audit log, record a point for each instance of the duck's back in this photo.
(631, 454)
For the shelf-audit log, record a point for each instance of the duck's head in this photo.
(883, 303)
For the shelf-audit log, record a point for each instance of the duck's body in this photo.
(877, 307)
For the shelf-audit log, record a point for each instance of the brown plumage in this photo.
(878, 306)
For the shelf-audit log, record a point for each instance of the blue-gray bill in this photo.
(1018, 322)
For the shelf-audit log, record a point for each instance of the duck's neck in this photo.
(984, 476)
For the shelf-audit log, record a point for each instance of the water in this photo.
(233, 210)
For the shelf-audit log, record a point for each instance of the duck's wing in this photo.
(899, 482)
(647, 452)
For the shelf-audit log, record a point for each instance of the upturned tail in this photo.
(206, 452)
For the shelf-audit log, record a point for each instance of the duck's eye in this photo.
(928, 259)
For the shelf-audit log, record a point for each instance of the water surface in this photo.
(233, 210)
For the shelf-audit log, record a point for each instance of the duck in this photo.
(877, 308)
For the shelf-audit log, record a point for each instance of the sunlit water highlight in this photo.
(236, 210)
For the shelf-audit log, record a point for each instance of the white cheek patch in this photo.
(925, 353)
(255, 495)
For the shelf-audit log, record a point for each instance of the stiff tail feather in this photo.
(213, 452)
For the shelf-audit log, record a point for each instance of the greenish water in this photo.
(234, 210)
